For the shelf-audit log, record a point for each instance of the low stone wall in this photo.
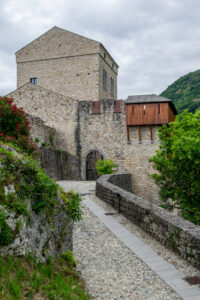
(59, 165)
(178, 234)
(122, 180)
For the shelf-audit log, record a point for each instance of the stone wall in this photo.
(76, 77)
(67, 63)
(81, 127)
(106, 132)
(107, 63)
(122, 180)
(178, 234)
(59, 165)
(57, 111)
(56, 43)
(38, 130)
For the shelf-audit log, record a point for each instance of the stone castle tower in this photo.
(70, 64)
(70, 82)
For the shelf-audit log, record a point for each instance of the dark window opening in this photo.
(104, 55)
(159, 108)
(112, 65)
(132, 109)
(104, 79)
(34, 80)
(112, 86)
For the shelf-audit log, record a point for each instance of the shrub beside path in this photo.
(110, 269)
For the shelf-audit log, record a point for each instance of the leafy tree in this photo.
(178, 164)
(105, 166)
(185, 92)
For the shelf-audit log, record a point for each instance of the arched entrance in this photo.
(91, 159)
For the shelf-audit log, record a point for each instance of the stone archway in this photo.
(91, 159)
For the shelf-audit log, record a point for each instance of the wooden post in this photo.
(139, 133)
(128, 137)
(151, 132)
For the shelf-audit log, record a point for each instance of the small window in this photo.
(158, 108)
(104, 79)
(34, 80)
(104, 55)
(112, 86)
(112, 65)
(144, 109)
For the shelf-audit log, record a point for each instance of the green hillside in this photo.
(185, 92)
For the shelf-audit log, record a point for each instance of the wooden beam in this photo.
(139, 133)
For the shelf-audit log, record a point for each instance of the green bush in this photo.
(6, 234)
(14, 126)
(178, 165)
(68, 256)
(105, 166)
(31, 182)
(72, 201)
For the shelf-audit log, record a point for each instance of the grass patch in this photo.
(24, 278)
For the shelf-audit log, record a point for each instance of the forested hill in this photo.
(185, 92)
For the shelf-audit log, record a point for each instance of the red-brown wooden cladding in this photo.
(149, 114)
(171, 115)
(96, 107)
(118, 106)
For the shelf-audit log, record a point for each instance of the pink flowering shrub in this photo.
(14, 125)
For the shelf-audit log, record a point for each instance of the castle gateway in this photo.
(70, 82)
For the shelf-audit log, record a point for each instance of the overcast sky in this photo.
(154, 42)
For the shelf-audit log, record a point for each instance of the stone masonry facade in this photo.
(73, 96)
(106, 133)
(68, 64)
(58, 164)
(55, 110)
(40, 133)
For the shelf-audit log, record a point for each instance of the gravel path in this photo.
(109, 268)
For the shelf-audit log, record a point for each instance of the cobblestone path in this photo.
(110, 269)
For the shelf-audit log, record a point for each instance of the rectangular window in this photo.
(112, 65)
(104, 55)
(34, 80)
(112, 86)
(104, 79)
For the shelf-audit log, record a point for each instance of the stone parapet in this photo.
(173, 231)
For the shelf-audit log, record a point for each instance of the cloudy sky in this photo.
(153, 41)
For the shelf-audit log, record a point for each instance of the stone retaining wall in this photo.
(178, 234)
(40, 133)
(59, 165)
